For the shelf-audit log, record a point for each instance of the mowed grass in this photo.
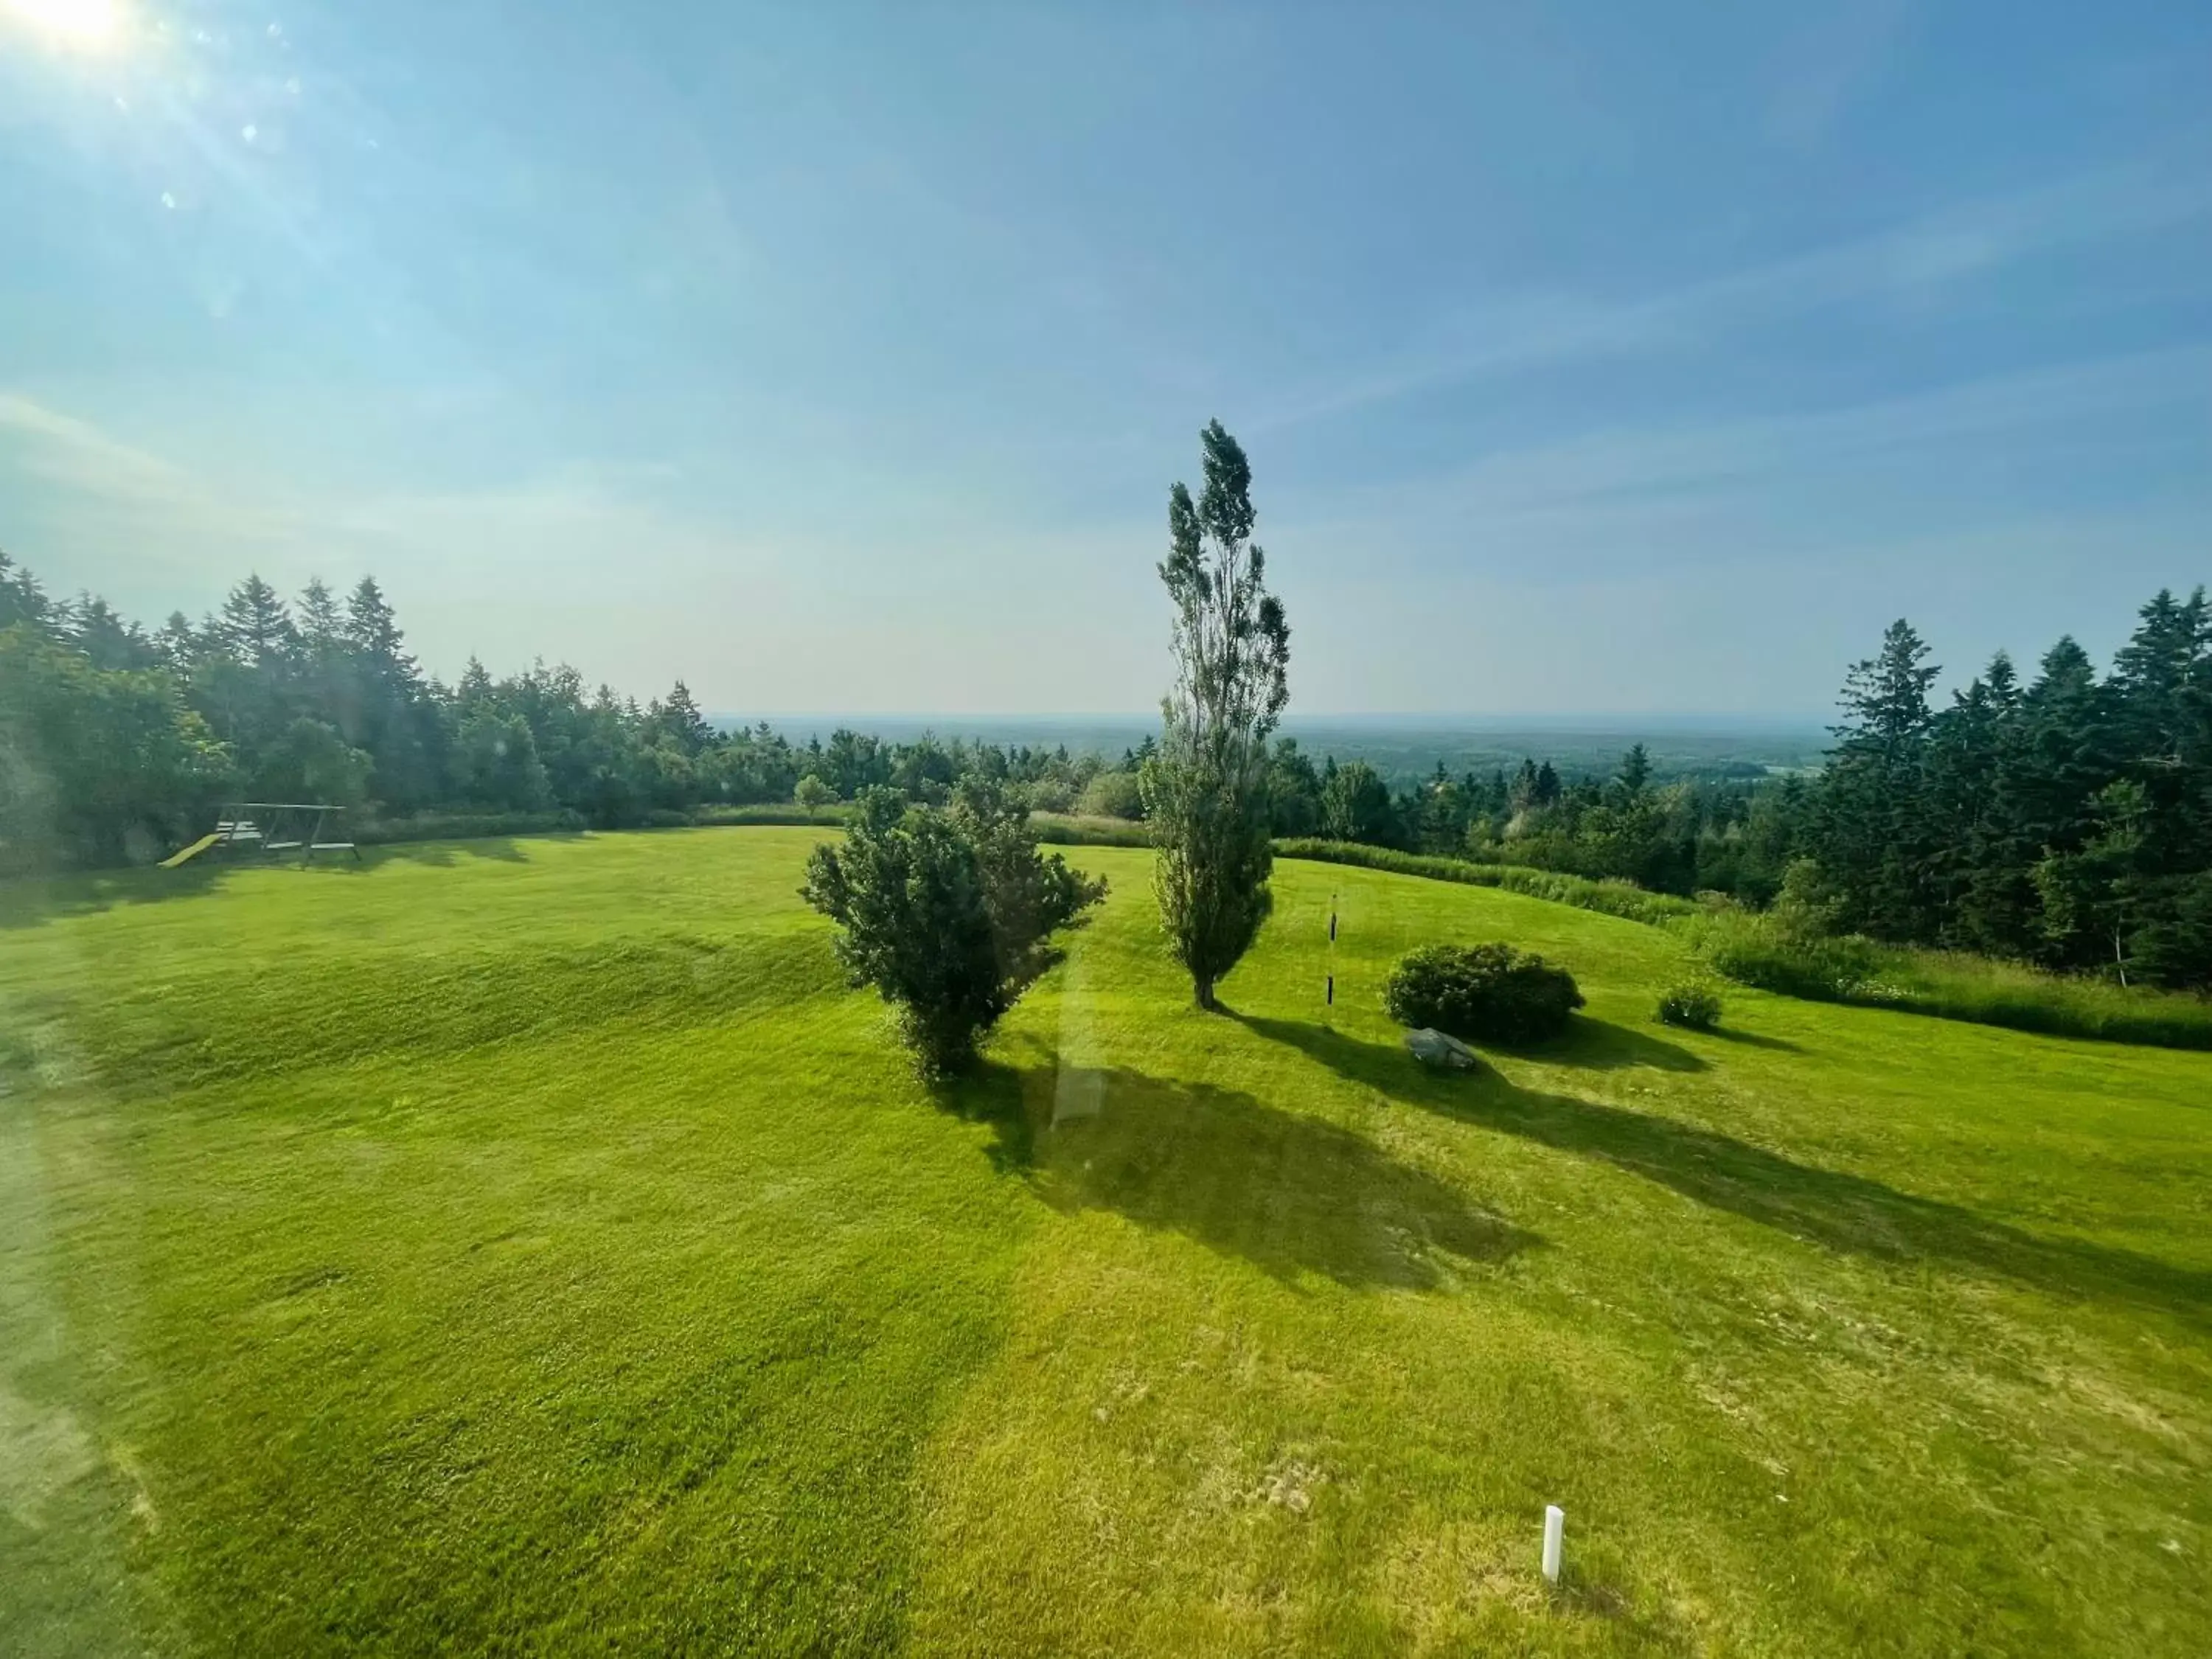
(535, 1246)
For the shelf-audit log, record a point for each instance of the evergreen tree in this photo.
(22, 598)
(255, 628)
(1635, 772)
(678, 718)
(106, 639)
(322, 629)
(1872, 836)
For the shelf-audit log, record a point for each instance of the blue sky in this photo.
(1610, 358)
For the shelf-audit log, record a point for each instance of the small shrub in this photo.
(1482, 992)
(1691, 1004)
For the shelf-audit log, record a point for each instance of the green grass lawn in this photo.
(534, 1247)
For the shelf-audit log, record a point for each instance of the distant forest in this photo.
(2066, 820)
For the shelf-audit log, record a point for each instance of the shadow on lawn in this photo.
(1603, 1046)
(1754, 1039)
(1288, 1192)
(32, 901)
(1843, 1212)
(445, 854)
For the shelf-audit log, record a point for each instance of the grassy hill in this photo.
(534, 1246)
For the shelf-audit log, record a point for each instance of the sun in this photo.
(85, 24)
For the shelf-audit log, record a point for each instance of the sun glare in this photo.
(85, 24)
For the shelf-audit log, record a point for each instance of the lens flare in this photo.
(82, 24)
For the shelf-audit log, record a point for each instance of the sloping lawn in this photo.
(534, 1246)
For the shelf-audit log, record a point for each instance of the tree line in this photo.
(118, 742)
(2064, 820)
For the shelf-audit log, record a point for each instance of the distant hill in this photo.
(1401, 747)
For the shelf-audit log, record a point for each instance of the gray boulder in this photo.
(1433, 1047)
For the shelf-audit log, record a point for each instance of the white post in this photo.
(1555, 1526)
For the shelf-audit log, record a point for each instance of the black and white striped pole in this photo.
(1328, 992)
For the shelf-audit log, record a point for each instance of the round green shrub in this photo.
(1691, 1003)
(1482, 993)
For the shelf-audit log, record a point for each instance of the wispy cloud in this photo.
(130, 499)
(1907, 263)
(1950, 472)
(78, 455)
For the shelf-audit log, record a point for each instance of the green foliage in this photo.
(321, 699)
(1294, 786)
(947, 914)
(908, 894)
(812, 794)
(1028, 897)
(1205, 789)
(1611, 897)
(1788, 950)
(1112, 795)
(310, 762)
(462, 826)
(494, 762)
(1692, 1004)
(1355, 804)
(1482, 992)
(98, 764)
(2067, 822)
(1762, 950)
(1959, 985)
(1069, 831)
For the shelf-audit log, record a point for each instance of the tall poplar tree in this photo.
(1205, 789)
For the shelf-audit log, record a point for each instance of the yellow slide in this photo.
(191, 852)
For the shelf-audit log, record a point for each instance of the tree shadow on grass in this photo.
(1847, 1212)
(1754, 1039)
(1603, 1046)
(444, 854)
(33, 901)
(1290, 1193)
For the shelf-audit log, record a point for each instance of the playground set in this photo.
(268, 829)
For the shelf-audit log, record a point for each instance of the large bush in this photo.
(1763, 951)
(946, 913)
(1482, 992)
(1113, 795)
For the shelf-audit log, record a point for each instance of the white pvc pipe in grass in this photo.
(1555, 1526)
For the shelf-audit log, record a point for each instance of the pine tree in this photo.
(1635, 771)
(255, 628)
(679, 718)
(92, 625)
(372, 631)
(322, 629)
(1873, 837)
(22, 598)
